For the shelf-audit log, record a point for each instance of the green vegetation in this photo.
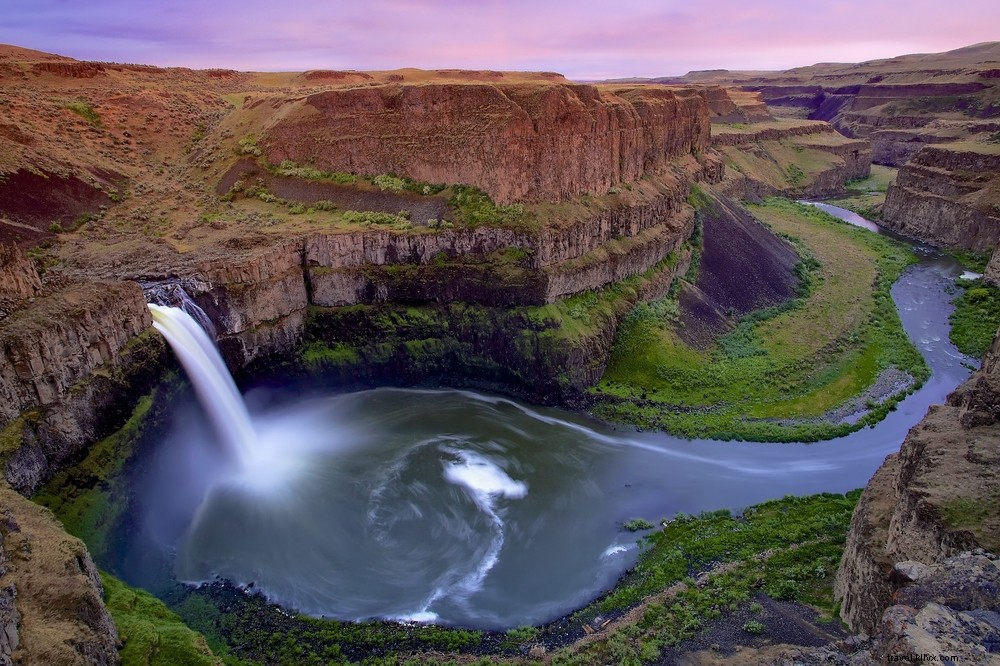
(638, 525)
(151, 634)
(781, 369)
(85, 497)
(973, 261)
(540, 343)
(866, 196)
(976, 318)
(248, 146)
(85, 111)
(368, 218)
(474, 207)
(787, 549)
(289, 168)
(754, 627)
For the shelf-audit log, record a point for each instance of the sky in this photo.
(583, 39)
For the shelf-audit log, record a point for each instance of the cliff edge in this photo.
(939, 496)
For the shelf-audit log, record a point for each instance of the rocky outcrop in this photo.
(992, 274)
(938, 496)
(793, 158)
(19, 279)
(517, 142)
(732, 105)
(62, 339)
(543, 353)
(947, 195)
(769, 132)
(948, 612)
(58, 615)
(71, 368)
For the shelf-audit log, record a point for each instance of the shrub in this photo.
(754, 627)
(389, 183)
(248, 146)
(638, 524)
(85, 111)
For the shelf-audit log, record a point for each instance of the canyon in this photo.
(115, 178)
(936, 116)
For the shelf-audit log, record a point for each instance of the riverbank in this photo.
(779, 374)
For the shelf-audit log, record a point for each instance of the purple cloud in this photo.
(584, 39)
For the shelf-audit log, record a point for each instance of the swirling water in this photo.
(472, 509)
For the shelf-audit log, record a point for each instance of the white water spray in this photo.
(210, 377)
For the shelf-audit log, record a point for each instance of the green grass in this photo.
(781, 368)
(866, 195)
(787, 549)
(474, 207)
(85, 111)
(976, 318)
(878, 180)
(151, 634)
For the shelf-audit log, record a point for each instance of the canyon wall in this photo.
(71, 368)
(937, 497)
(792, 158)
(948, 195)
(516, 142)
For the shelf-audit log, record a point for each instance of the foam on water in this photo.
(486, 483)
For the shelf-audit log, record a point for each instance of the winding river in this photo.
(471, 509)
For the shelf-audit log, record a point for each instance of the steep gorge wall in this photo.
(940, 495)
(948, 196)
(71, 368)
(517, 142)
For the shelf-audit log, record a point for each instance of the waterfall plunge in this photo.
(210, 377)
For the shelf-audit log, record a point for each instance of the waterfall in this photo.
(210, 377)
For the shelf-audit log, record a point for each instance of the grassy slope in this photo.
(151, 634)
(866, 196)
(976, 318)
(787, 549)
(792, 364)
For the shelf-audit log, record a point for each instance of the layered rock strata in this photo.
(794, 158)
(516, 142)
(948, 195)
(19, 279)
(71, 368)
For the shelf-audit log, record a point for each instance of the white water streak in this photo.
(210, 377)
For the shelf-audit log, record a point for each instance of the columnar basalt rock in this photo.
(947, 195)
(517, 142)
(64, 338)
(18, 277)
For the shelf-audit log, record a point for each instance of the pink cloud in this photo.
(584, 39)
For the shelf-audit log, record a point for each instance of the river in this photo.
(471, 509)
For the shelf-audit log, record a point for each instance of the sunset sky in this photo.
(583, 39)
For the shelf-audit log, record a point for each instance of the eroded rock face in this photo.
(945, 196)
(18, 278)
(517, 142)
(75, 361)
(64, 338)
(58, 614)
(938, 496)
